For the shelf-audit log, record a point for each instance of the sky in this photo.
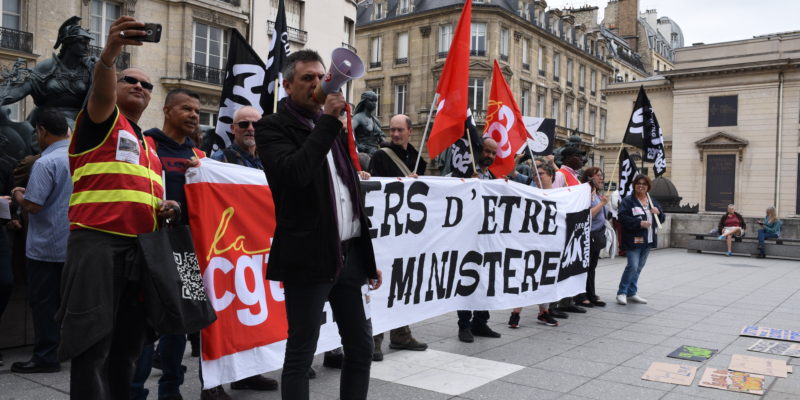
(713, 21)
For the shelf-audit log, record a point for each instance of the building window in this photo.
(568, 115)
(593, 82)
(555, 109)
(478, 42)
(476, 93)
(504, 44)
(400, 92)
(556, 66)
(581, 78)
(722, 110)
(377, 91)
(569, 72)
(540, 99)
(294, 12)
(720, 181)
(602, 125)
(404, 7)
(210, 45)
(445, 37)
(581, 118)
(402, 48)
(541, 61)
(592, 119)
(375, 52)
(378, 10)
(526, 62)
(103, 13)
(525, 101)
(208, 118)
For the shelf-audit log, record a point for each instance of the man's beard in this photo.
(485, 162)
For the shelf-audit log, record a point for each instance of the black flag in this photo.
(276, 59)
(244, 85)
(461, 158)
(541, 135)
(627, 171)
(645, 133)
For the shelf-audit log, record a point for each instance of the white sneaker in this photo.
(637, 299)
(622, 299)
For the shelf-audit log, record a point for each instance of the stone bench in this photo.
(745, 245)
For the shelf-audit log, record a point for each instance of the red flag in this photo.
(452, 89)
(503, 124)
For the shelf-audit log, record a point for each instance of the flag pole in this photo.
(535, 168)
(425, 132)
(275, 92)
(471, 152)
(616, 165)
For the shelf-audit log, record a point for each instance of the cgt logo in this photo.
(249, 288)
(499, 131)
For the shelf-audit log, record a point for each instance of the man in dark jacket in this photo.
(397, 159)
(321, 249)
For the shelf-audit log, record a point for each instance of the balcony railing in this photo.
(295, 35)
(375, 64)
(16, 40)
(349, 47)
(403, 10)
(441, 54)
(123, 60)
(541, 72)
(569, 83)
(401, 61)
(503, 57)
(236, 3)
(203, 73)
(556, 78)
(526, 66)
(478, 53)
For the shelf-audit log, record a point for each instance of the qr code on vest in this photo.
(189, 271)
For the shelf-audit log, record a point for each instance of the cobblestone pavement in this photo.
(694, 299)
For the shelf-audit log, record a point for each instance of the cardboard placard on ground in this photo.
(692, 353)
(760, 365)
(670, 373)
(779, 348)
(733, 381)
(770, 333)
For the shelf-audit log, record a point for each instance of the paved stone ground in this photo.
(695, 299)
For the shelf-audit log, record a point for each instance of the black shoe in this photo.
(215, 393)
(556, 313)
(575, 309)
(485, 331)
(465, 335)
(32, 367)
(255, 382)
(546, 319)
(598, 303)
(333, 359)
(156, 363)
(411, 344)
(311, 373)
(587, 304)
(377, 355)
(513, 320)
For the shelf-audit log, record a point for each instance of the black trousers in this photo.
(44, 285)
(105, 369)
(471, 319)
(304, 304)
(598, 242)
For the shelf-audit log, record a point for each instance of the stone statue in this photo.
(61, 81)
(366, 126)
(573, 141)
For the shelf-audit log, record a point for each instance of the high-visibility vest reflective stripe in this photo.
(114, 192)
(569, 178)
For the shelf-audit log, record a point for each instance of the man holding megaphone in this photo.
(321, 249)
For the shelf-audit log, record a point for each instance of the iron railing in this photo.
(349, 47)
(16, 40)
(204, 73)
(401, 61)
(123, 60)
(478, 53)
(295, 35)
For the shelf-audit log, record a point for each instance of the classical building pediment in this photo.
(474, 65)
(722, 141)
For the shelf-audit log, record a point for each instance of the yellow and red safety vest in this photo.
(117, 185)
(569, 178)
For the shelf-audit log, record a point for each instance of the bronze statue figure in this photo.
(366, 126)
(61, 81)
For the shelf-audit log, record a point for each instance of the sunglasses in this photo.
(244, 124)
(131, 80)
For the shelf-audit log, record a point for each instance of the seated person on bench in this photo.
(771, 229)
(731, 224)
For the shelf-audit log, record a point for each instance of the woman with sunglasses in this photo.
(637, 215)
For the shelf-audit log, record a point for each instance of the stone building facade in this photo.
(556, 67)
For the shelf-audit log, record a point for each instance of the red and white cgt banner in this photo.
(443, 244)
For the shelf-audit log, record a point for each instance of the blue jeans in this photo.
(762, 234)
(171, 349)
(636, 259)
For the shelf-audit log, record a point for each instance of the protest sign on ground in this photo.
(770, 333)
(692, 353)
(670, 373)
(779, 348)
(733, 381)
(760, 365)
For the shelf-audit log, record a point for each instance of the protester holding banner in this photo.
(567, 175)
(594, 176)
(475, 323)
(117, 191)
(637, 214)
(396, 159)
(321, 248)
(546, 172)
